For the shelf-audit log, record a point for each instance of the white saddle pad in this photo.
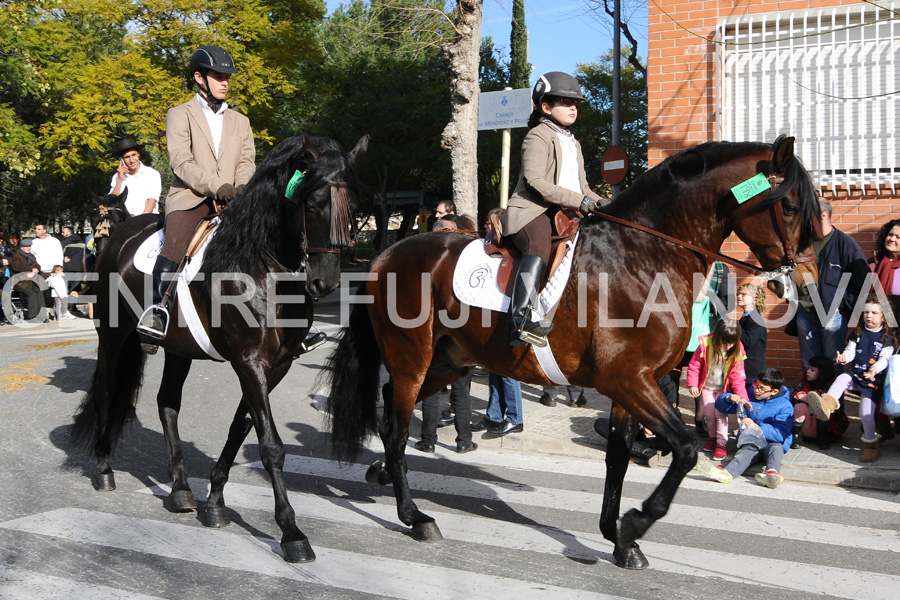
(475, 284)
(145, 258)
(475, 280)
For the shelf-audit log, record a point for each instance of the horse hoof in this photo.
(377, 473)
(298, 551)
(182, 501)
(215, 516)
(104, 482)
(426, 531)
(630, 558)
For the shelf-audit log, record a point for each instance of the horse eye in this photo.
(791, 209)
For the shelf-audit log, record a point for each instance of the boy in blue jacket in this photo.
(765, 431)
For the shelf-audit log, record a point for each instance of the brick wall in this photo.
(681, 98)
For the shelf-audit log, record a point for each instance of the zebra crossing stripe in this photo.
(20, 584)
(241, 552)
(588, 547)
(596, 469)
(846, 536)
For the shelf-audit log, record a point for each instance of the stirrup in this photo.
(533, 339)
(311, 343)
(154, 322)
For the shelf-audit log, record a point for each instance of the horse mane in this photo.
(250, 228)
(665, 181)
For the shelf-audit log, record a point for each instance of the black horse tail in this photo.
(352, 373)
(104, 414)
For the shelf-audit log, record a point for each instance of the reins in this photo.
(790, 255)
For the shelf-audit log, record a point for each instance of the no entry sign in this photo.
(614, 165)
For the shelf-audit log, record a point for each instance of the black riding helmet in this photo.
(558, 84)
(204, 60)
(210, 58)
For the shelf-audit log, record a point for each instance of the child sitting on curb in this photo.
(765, 431)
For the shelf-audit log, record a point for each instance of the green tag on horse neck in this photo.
(757, 184)
(292, 185)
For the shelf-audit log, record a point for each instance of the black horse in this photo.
(267, 243)
(109, 213)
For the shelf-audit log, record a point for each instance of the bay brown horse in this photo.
(417, 328)
(267, 251)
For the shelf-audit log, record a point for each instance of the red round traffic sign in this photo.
(614, 165)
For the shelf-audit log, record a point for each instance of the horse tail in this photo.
(107, 403)
(352, 373)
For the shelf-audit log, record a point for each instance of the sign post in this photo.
(504, 110)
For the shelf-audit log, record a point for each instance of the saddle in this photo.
(565, 226)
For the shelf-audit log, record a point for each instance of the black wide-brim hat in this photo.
(126, 144)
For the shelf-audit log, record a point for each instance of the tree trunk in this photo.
(461, 134)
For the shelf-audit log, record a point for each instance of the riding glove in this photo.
(226, 192)
(589, 206)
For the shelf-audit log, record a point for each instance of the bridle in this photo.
(103, 226)
(343, 226)
(790, 253)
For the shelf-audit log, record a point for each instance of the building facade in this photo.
(824, 71)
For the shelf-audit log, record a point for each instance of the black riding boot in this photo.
(155, 320)
(524, 295)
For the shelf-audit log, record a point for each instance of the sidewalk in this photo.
(570, 431)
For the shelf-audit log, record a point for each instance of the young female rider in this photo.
(552, 177)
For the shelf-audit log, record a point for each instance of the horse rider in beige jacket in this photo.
(212, 155)
(552, 178)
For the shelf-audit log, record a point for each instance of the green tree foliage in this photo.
(77, 74)
(519, 67)
(384, 74)
(594, 126)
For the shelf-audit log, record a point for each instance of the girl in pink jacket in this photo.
(716, 367)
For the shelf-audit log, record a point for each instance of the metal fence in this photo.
(829, 77)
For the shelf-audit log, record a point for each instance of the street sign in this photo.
(614, 165)
(504, 110)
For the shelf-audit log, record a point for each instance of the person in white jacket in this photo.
(60, 293)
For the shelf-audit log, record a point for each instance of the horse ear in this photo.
(120, 199)
(310, 148)
(782, 153)
(95, 199)
(360, 149)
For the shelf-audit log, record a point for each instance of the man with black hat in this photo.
(143, 183)
(212, 155)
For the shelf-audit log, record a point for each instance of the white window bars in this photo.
(829, 77)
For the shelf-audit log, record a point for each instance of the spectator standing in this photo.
(23, 262)
(143, 183)
(836, 254)
(754, 336)
(717, 365)
(459, 414)
(575, 394)
(74, 264)
(60, 293)
(504, 410)
(46, 249)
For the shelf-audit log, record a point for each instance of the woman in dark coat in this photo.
(22, 261)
